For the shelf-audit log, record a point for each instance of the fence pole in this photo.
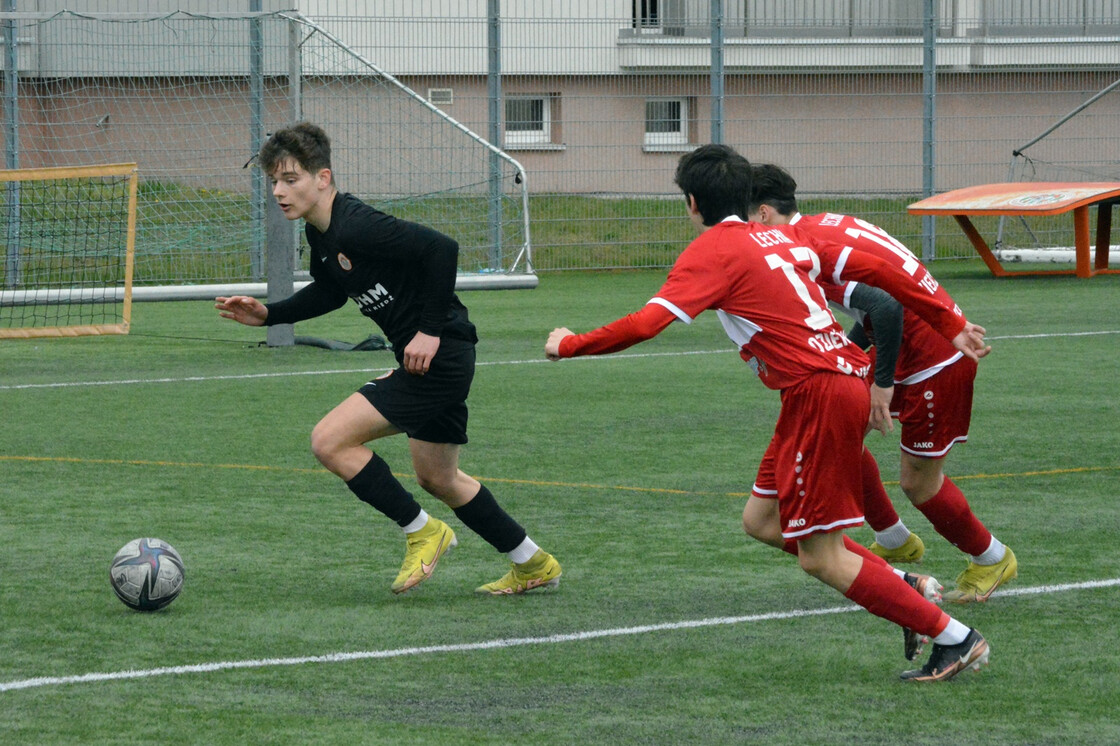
(929, 121)
(11, 87)
(256, 138)
(717, 71)
(11, 143)
(494, 94)
(295, 100)
(281, 265)
(275, 247)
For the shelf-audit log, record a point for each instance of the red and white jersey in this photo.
(762, 281)
(923, 351)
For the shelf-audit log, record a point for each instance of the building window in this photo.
(528, 120)
(647, 14)
(666, 123)
(441, 96)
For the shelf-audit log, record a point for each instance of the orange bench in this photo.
(1033, 198)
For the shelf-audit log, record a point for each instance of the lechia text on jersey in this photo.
(771, 238)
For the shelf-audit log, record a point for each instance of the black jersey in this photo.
(401, 275)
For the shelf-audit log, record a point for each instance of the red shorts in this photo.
(935, 413)
(812, 465)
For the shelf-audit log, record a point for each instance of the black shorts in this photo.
(431, 407)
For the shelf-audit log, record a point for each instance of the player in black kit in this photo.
(402, 276)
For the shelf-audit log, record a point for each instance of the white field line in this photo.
(383, 369)
(498, 644)
(377, 369)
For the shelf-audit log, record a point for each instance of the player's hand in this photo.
(552, 346)
(419, 352)
(881, 409)
(243, 309)
(971, 342)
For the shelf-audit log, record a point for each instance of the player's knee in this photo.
(751, 525)
(807, 563)
(920, 473)
(812, 564)
(919, 485)
(427, 483)
(323, 446)
(435, 483)
(762, 525)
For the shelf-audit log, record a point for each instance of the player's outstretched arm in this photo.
(243, 309)
(971, 342)
(617, 335)
(947, 320)
(552, 346)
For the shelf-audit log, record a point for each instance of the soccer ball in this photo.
(146, 574)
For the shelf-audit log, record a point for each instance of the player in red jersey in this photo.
(929, 391)
(762, 283)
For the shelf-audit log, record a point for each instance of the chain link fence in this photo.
(191, 96)
(868, 104)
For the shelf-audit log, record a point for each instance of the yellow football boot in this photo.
(977, 582)
(911, 550)
(425, 547)
(541, 571)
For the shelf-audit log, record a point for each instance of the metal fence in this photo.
(870, 104)
(191, 97)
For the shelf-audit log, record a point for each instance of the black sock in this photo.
(376, 485)
(486, 518)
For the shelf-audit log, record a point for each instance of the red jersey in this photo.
(762, 281)
(923, 351)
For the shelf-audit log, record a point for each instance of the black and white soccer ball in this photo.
(147, 574)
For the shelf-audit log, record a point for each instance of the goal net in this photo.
(191, 97)
(1059, 154)
(68, 250)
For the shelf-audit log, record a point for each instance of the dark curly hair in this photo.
(305, 143)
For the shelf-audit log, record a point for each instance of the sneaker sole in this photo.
(554, 583)
(548, 584)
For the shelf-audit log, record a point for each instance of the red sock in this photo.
(951, 516)
(877, 508)
(790, 546)
(879, 590)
